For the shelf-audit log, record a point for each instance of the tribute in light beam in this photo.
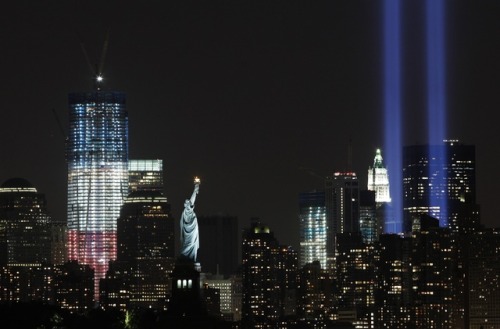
(436, 108)
(392, 109)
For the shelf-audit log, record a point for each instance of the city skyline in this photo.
(259, 100)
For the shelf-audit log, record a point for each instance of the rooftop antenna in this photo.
(349, 155)
(97, 69)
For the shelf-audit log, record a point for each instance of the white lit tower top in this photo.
(378, 180)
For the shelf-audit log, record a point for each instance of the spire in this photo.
(377, 162)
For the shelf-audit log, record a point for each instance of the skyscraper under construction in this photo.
(97, 156)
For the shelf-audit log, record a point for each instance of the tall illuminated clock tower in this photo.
(97, 157)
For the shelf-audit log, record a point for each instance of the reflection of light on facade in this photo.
(392, 104)
(97, 176)
(427, 178)
(436, 102)
(312, 216)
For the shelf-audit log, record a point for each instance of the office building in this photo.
(225, 287)
(433, 267)
(145, 241)
(483, 280)
(394, 282)
(145, 175)
(437, 179)
(219, 247)
(369, 224)
(313, 228)
(25, 225)
(73, 286)
(315, 301)
(342, 209)
(356, 280)
(261, 286)
(97, 155)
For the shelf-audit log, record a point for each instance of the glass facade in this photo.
(312, 216)
(424, 190)
(97, 158)
(342, 209)
(145, 175)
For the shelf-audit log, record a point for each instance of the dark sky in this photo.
(258, 98)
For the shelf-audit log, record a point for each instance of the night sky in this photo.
(259, 98)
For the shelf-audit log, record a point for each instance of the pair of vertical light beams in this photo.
(436, 104)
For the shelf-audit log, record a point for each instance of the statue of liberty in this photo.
(190, 240)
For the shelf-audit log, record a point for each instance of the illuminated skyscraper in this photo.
(97, 156)
(342, 209)
(378, 180)
(424, 190)
(312, 217)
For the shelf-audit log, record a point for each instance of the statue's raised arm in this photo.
(190, 240)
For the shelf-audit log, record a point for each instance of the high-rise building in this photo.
(356, 279)
(225, 287)
(145, 239)
(313, 228)
(369, 224)
(145, 175)
(483, 280)
(378, 180)
(342, 209)
(425, 190)
(219, 247)
(394, 282)
(97, 155)
(145, 242)
(288, 263)
(25, 225)
(73, 286)
(261, 285)
(315, 294)
(433, 269)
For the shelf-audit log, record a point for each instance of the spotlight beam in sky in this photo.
(436, 106)
(392, 109)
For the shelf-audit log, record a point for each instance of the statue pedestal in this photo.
(186, 296)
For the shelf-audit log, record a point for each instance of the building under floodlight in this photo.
(312, 217)
(378, 180)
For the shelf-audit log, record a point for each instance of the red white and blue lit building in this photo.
(97, 156)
